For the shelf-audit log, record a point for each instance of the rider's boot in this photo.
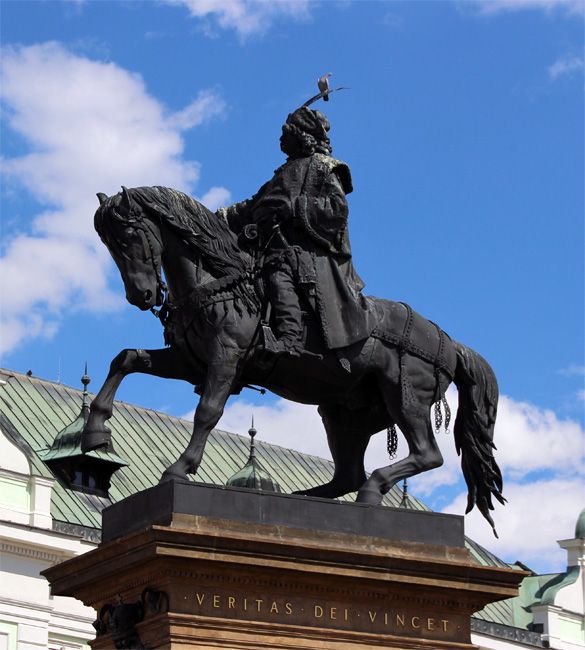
(280, 346)
(288, 338)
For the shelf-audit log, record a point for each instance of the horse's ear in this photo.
(126, 201)
(102, 197)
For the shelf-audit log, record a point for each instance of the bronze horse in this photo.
(212, 311)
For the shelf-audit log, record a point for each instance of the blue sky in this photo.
(463, 128)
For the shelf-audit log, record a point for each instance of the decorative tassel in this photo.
(438, 417)
(447, 413)
(439, 414)
(392, 441)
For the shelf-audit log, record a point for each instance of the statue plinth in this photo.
(185, 565)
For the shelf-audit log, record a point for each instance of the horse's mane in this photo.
(200, 228)
(203, 231)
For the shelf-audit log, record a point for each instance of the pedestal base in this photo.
(184, 565)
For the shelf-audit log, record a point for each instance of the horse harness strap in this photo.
(440, 395)
(405, 340)
(405, 385)
(404, 344)
(211, 292)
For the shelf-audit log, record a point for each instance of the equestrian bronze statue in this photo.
(265, 293)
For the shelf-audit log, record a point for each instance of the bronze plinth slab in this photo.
(184, 565)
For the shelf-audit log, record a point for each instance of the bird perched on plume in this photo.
(323, 85)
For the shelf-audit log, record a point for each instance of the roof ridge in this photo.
(15, 373)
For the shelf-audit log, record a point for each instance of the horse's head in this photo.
(134, 242)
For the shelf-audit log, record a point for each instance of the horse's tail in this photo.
(474, 430)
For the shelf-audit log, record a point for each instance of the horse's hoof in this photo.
(172, 476)
(319, 492)
(312, 492)
(326, 491)
(95, 437)
(369, 497)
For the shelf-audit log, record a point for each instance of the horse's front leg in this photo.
(166, 362)
(221, 376)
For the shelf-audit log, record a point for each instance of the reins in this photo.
(161, 286)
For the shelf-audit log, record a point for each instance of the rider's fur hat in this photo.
(310, 121)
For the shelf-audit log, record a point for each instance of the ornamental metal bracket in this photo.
(120, 620)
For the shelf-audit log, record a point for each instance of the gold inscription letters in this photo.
(295, 610)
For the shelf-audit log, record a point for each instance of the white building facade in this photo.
(30, 618)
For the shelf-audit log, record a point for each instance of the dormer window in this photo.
(84, 472)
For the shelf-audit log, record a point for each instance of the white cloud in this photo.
(531, 442)
(246, 17)
(492, 7)
(89, 126)
(296, 426)
(566, 67)
(528, 439)
(215, 197)
(536, 516)
(391, 19)
(573, 370)
(205, 107)
(531, 439)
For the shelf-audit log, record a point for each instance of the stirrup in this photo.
(276, 347)
(270, 343)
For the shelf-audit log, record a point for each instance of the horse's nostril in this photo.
(147, 295)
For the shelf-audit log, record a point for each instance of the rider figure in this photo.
(301, 216)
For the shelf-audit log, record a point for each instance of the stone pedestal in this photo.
(185, 565)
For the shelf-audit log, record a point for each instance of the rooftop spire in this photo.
(252, 432)
(404, 502)
(252, 475)
(85, 380)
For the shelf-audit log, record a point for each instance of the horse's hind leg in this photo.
(415, 423)
(166, 362)
(423, 455)
(347, 443)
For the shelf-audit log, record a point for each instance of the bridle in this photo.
(137, 220)
(161, 286)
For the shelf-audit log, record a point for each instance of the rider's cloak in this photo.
(307, 198)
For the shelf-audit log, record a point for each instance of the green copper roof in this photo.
(516, 611)
(552, 588)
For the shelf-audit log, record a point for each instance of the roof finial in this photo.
(85, 381)
(252, 475)
(252, 432)
(404, 500)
